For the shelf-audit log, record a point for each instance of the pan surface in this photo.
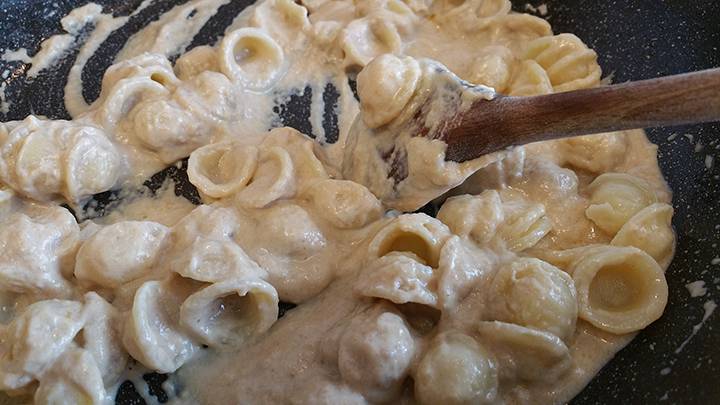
(674, 360)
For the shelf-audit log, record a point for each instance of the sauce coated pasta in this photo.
(541, 263)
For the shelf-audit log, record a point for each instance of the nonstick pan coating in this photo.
(636, 39)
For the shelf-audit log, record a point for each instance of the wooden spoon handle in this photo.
(673, 100)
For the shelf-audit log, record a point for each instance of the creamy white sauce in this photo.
(379, 292)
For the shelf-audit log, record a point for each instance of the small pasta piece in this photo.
(477, 217)
(525, 353)
(120, 253)
(493, 67)
(524, 226)
(530, 79)
(365, 38)
(649, 230)
(291, 232)
(461, 269)
(615, 198)
(398, 277)
(419, 234)
(38, 248)
(152, 334)
(74, 379)
(293, 250)
(284, 20)
(250, 57)
(227, 314)
(221, 169)
(209, 221)
(375, 354)
(274, 179)
(343, 203)
(210, 98)
(620, 289)
(46, 160)
(196, 61)
(302, 150)
(569, 64)
(165, 128)
(534, 294)
(124, 96)
(599, 153)
(456, 370)
(102, 338)
(38, 336)
(385, 86)
(212, 261)
(153, 66)
(92, 164)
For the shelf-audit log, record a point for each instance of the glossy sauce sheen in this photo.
(379, 292)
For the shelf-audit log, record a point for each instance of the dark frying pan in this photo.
(636, 39)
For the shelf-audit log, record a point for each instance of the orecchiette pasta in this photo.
(251, 57)
(529, 354)
(595, 153)
(478, 305)
(492, 67)
(38, 336)
(375, 355)
(524, 224)
(619, 289)
(124, 96)
(418, 234)
(461, 268)
(343, 203)
(456, 370)
(282, 19)
(102, 338)
(219, 170)
(211, 260)
(197, 60)
(152, 333)
(649, 230)
(615, 198)
(120, 253)
(165, 128)
(475, 216)
(399, 277)
(38, 247)
(228, 313)
(529, 79)
(73, 379)
(569, 64)
(535, 294)
(385, 86)
(274, 179)
(368, 37)
(44, 160)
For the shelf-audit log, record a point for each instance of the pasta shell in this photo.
(529, 354)
(152, 334)
(649, 230)
(456, 370)
(220, 170)
(229, 313)
(274, 179)
(615, 198)
(418, 234)
(251, 57)
(620, 289)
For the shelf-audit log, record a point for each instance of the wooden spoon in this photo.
(473, 122)
(489, 126)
